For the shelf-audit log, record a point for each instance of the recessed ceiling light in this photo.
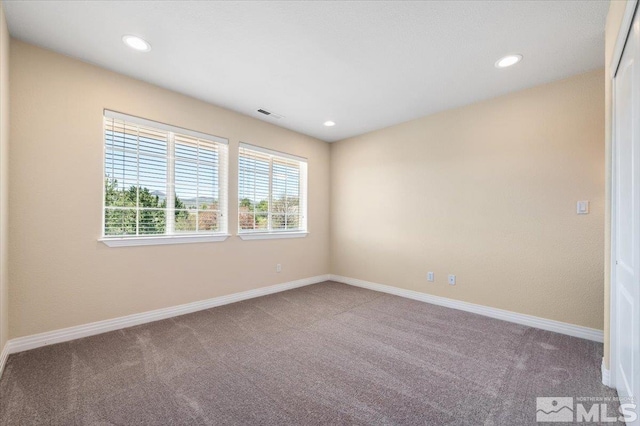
(329, 123)
(508, 60)
(136, 43)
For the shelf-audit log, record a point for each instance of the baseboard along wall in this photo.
(21, 344)
(523, 319)
(25, 343)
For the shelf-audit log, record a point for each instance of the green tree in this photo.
(122, 220)
(285, 213)
(245, 202)
(262, 206)
(183, 220)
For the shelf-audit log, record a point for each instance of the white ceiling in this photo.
(364, 65)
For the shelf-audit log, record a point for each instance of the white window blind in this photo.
(271, 191)
(162, 180)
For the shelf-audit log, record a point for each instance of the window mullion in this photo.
(269, 214)
(170, 214)
(137, 180)
(286, 198)
(198, 186)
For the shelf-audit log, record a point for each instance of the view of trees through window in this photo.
(121, 215)
(147, 168)
(268, 192)
(284, 214)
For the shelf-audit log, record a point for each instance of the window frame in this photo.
(170, 236)
(302, 230)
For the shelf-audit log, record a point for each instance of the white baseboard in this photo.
(606, 375)
(3, 357)
(63, 335)
(523, 319)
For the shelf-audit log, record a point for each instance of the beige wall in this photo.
(614, 21)
(62, 276)
(4, 179)
(487, 192)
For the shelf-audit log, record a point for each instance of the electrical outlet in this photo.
(278, 268)
(430, 276)
(582, 207)
(452, 280)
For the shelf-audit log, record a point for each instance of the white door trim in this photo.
(623, 32)
(621, 40)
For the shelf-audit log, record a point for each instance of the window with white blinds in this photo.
(161, 180)
(271, 191)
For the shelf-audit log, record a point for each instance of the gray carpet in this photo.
(323, 354)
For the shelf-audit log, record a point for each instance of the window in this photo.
(162, 184)
(272, 190)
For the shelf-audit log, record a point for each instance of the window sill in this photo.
(164, 239)
(272, 235)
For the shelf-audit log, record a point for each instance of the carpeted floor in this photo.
(323, 354)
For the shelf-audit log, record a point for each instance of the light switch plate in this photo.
(582, 207)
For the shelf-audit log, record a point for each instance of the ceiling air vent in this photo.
(270, 114)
